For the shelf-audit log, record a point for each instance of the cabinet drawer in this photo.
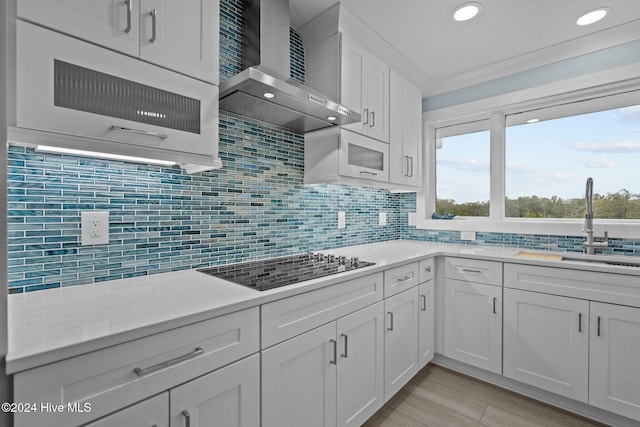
(400, 279)
(292, 316)
(118, 376)
(151, 412)
(473, 270)
(590, 285)
(426, 270)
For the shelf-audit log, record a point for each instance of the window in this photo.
(531, 174)
(463, 170)
(548, 162)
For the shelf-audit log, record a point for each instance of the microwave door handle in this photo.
(138, 132)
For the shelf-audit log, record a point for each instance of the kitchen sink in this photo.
(612, 260)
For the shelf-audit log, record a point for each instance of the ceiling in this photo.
(508, 36)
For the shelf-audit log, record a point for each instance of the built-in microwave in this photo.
(74, 94)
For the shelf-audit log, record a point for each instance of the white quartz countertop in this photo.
(51, 325)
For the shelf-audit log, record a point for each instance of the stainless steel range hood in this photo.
(264, 90)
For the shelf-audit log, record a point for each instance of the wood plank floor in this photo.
(438, 397)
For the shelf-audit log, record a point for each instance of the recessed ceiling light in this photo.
(593, 16)
(331, 118)
(269, 95)
(466, 11)
(533, 120)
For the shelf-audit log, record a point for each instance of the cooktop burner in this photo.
(276, 272)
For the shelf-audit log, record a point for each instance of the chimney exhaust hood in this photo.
(264, 90)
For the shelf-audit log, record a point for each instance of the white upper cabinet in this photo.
(181, 36)
(405, 126)
(365, 89)
(109, 23)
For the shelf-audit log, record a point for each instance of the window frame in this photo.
(563, 105)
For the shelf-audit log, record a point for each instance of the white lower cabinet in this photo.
(228, 397)
(473, 324)
(614, 370)
(401, 340)
(329, 376)
(546, 342)
(426, 323)
(151, 412)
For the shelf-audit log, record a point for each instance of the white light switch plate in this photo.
(467, 235)
(94, 227)
(342, 220)
(382, 218)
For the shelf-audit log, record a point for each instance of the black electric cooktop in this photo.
(275, 272)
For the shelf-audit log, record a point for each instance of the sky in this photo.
(548, 158)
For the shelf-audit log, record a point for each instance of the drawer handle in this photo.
(139, 132)
(494, 305)
(368, 173)
(424, 303)
(141, 372)
(334, 344)
(579, 323)
(471, 270)
(346, 342)
(128, 4)
(187, 418)
(404, 279)
(390, 328)
(154, 18)
(427, 269)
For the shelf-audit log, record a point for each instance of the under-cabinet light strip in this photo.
(96, 154)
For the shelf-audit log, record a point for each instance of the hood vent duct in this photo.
(264, 90)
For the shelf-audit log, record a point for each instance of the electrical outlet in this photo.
(94, 227)
(467, 235)
(382, 218)
(342, 220)
(411, 219)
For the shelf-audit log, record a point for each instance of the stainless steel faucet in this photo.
(590, 245)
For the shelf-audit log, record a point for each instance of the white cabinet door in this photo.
(614, 371)
(377, 91)
(299, 380)
(473, 324)
(150, 412)
(182, 36)
(426, 324)
(365, 88)
(401, 340)
(360, 365)
(109, 23)
(546, 342)
(227, 397)
(405, 131)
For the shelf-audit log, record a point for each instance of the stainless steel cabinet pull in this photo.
(494, 305)
(138, 132)
(146, 371)
(404, 279)
(373, 119)
(346, 343)
(424, 302)
(427, 269)
(128, 4)
(334, 343)
(368, 173)
(598, 325)
(390, 328)
(154, 18)
(580, 323)
(365, 116)
(406, 164)
(187, 418)
(469, 270)
(411, 162)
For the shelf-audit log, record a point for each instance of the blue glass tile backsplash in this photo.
(162, 219)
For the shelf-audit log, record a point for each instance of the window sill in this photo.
(629, 229)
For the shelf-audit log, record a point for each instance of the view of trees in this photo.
(619, 205)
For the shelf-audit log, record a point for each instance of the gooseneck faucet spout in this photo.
(590, 245)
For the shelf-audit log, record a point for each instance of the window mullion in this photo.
(497, 168)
